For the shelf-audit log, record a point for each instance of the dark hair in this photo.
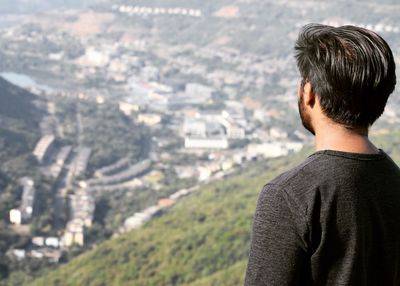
(350, 69)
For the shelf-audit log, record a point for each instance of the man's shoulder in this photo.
(298, 174)
(300, 184)
(330, 171)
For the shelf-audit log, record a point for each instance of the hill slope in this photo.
(202, 241)
(19, 129)
(205, 235)
(19, 132)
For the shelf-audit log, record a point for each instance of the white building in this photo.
(38, 240)
(139, 218)
(199, 90)
(207, 143)
(235, 132)
(53, 242)
(128, 108)
(25, 212)
(273, 150)
(177, 195)
(149, 119)
(73, 233)
(95, 57)
(15, 216)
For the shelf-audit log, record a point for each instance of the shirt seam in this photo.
(301, 212)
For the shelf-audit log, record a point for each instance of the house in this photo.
(149, 119)
(207, 143)
(165, 203)
(38, 240)
(128, 108)
(272, 150)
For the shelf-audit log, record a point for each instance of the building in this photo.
(139, 218)
(195, 127)
(25, 212)
(195, 90)
(95, 57)
(44, 148)
(19, 254)
(74, 234)
(60, 159)
(81, 208)
(272, 150)
(194, 95)
(233, 131)
(41, 241)
(81, 212)
(149, 119)
(150, 73)
(205, 132)
(165, 203)
(227, 164)
(81, 160)
(185, 171)
(177, 195)
(113, 168)
(207, 143)
(213, 130)
(129, 173)
(128, 108)
(15, 216)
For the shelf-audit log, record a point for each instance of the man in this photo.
(334, 219)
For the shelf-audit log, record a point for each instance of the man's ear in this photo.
(308, 95)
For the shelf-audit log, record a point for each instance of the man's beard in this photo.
(304, 116)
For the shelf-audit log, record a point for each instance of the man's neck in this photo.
(340, 138)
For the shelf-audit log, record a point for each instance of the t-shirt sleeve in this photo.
(278, 253)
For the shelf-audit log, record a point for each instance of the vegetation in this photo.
(110, 134)
(201, 241)
(19, 132)
(389, 142)
(195, 242)
(204, 239)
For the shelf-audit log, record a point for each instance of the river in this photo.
(25, 81)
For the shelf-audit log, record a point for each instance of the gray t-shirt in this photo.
(333, 220)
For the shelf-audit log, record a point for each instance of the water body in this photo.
(6, 24)
(25, 81)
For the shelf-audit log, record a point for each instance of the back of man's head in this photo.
(350, 69)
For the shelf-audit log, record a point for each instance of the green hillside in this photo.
(19, 128)
(19, 132)
(204, 238)
(202, 241)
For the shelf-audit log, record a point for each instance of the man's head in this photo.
(350, 70)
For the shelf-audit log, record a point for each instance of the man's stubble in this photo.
(304, 116)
